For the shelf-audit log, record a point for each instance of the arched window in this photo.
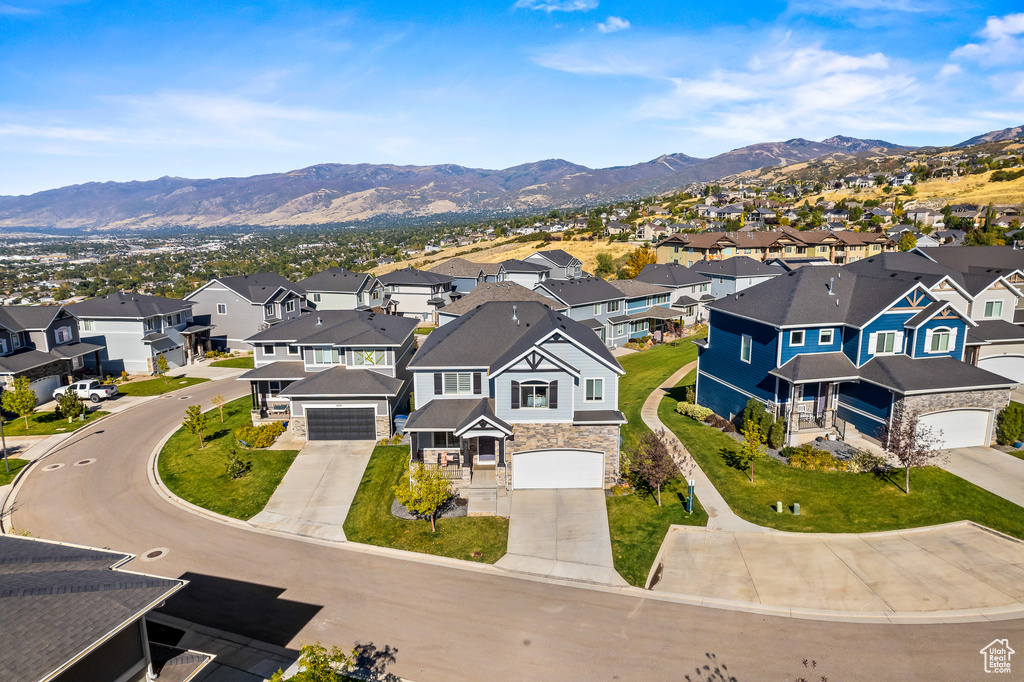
(940, 340)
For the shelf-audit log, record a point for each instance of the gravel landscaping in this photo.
(453, 509)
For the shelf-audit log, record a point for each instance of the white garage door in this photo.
(558, 469)
(1009, 366)
(44, 388)
(959, 428)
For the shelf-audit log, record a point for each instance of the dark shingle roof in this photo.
(130, 306)
(410, 276)
(670, 275)
(340, 328)
(497, 291)
(259, 288)
(277, 371)
(24, 360)
(737, 266)
(513, 265)
(458, 267)
(337, 280)
(963, 258)
(904, 374)
(339, 381)
(989, 331)
(810, 367)
(453, 415)
(634, 287)
(574, 292)
(28, 317)
(57, 601)
(558, 257)
(598, 417)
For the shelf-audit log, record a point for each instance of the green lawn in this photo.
(247, 362)
(833, 502)
(15, 465)
(638, 526)
(47, 424)
(481, 538)
(200, 475)
(158, 386)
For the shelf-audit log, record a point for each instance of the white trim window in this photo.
(597, 308)
(268, 349)
(326, 356)
(533, 396)
(368, 356)
(289, 305)
(293, 350)
(316, 298)
(222, 308)
(746, 346)
(993, 308)
(826, 337)
(940, 340)
(613, 306)
(458, 383)
(885, 343)
(595, 391)
(15, 341)
(88, 325)
(269, 310)
(796, 337)
(63, 334)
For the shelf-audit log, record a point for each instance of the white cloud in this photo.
(950, 70)
(550, 6)
(1003, 42)
(613, 24)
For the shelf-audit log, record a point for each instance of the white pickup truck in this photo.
(91, 389)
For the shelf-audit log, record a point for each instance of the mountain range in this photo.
(387, 194)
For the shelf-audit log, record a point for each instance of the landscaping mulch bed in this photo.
(453, 509)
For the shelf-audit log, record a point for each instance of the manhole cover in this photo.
(184, 397)
(85, 462)
(53, 467)
(154, 554)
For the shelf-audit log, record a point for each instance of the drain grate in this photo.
(184, 397)
(154, 554)
(53, 467)
(85, 462)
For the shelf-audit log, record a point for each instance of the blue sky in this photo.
(98, 91)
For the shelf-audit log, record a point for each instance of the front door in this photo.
(486, 450)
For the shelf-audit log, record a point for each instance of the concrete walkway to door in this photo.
(561, 534)
(315, 495)
(988, 468)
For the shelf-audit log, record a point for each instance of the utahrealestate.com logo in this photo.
(997, 656)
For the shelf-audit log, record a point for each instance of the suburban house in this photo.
(734, 274)
(838, 246)
(830, 348)
(690, 288)
(466, 274)
(43, 344)
(983, 259)
(590, 300)
(488, 292)
(341, 289)
(515, 396)
(522, 272)
(333, 374)
(418, 293)
(238, 307)
(136, 329)
(646, 312)
(560, 264)
(71, 613)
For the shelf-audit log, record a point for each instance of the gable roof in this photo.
(340, 328)
(513, 265)
(342, 381)
(491, 334)
(631, 288)
(557, 256)
(670, 275)
(28, 317)
(130, 306)
(497, 291)
(964, 258)
(258, 288)
(335, 280)
(415, 277)
(458, 267)
(574, 292)
(737, 266)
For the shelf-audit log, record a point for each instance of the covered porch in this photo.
(808, 390)
(197, 342)
(265, 386)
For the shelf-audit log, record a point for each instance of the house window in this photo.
(316, 298)
(533, 396)
(268, 349)
(597, 308)
(270, 309)
(745, 345)
(326, 356)
(289, 306)
(3, 346)
(274, 388)
(613, 306)
(293, 350)
(595, 390)
(15, 341)
(151, 324)
(620, 329)
(796, 338)
(885, 343)
(63, 334)
(88, 325)
(825, 337)
(177, 318)
(703, 287)
(993, 308)
(222, 309)
(940, 341)
(368, 356)
(458, 383)
(445, 439)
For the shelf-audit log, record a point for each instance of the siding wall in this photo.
(811, 343)
(864, 405)
(997, 293)
(721, 361)
(242, 320)
(331, 300)
(124, 350)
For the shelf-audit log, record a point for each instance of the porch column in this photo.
(252, 393)
(500, 447)
(414, 445)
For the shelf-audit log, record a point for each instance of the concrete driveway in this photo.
(988, 468)
(562, 534)
(315, 495)
(955, 567)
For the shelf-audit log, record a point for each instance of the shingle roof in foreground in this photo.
(130, 306)
(340, 328)
(337, 280)
(497, 291)
(58, 601)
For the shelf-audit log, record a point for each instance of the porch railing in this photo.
(808, 421)
(453, 472)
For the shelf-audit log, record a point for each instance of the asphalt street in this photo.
(446, 623)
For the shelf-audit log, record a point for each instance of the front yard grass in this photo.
(15, 465)
(246, 362)
(370, 520)
(833, 502)
(158, 386)
(48, 423)
(645, 371)
(200, 476)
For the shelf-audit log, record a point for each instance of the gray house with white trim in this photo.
(560, 264)
(418, 293)
(238, 307)
(341, 289)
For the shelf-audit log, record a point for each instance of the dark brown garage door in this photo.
(340, 423)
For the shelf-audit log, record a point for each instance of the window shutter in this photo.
(438, 389)
(476, 384)
(872, 343)
(928, 341)
(952, 340)
(553, 395)
(897, 346)
(515, 395)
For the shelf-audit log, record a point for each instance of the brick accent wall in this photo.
(937, 402)
(570, 437)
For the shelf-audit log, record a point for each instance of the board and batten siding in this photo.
(503, 397)
(995, 293)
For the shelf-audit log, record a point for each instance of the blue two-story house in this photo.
(515, 396)
(828, 348)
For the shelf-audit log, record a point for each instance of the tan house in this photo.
(839, 246)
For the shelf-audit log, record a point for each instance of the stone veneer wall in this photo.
(937, 402)
(61, 368)
(571, 437)
(298, 425)
(383, 427)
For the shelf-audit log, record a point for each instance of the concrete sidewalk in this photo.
(988, 468)
(720, 516)
(315, 495)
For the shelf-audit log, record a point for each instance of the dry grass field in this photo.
(974, 189)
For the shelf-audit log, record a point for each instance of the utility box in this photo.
(796, 509)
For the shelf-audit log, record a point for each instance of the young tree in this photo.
(752, 447)
(651, 459)
(219, 402)
(317, 664)
(195, 423)
(161, 366)
(909, 442)
(21, 401)
(425, 492)
(638, 259)
(70, 405)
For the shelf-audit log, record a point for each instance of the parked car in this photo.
(91, 389)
